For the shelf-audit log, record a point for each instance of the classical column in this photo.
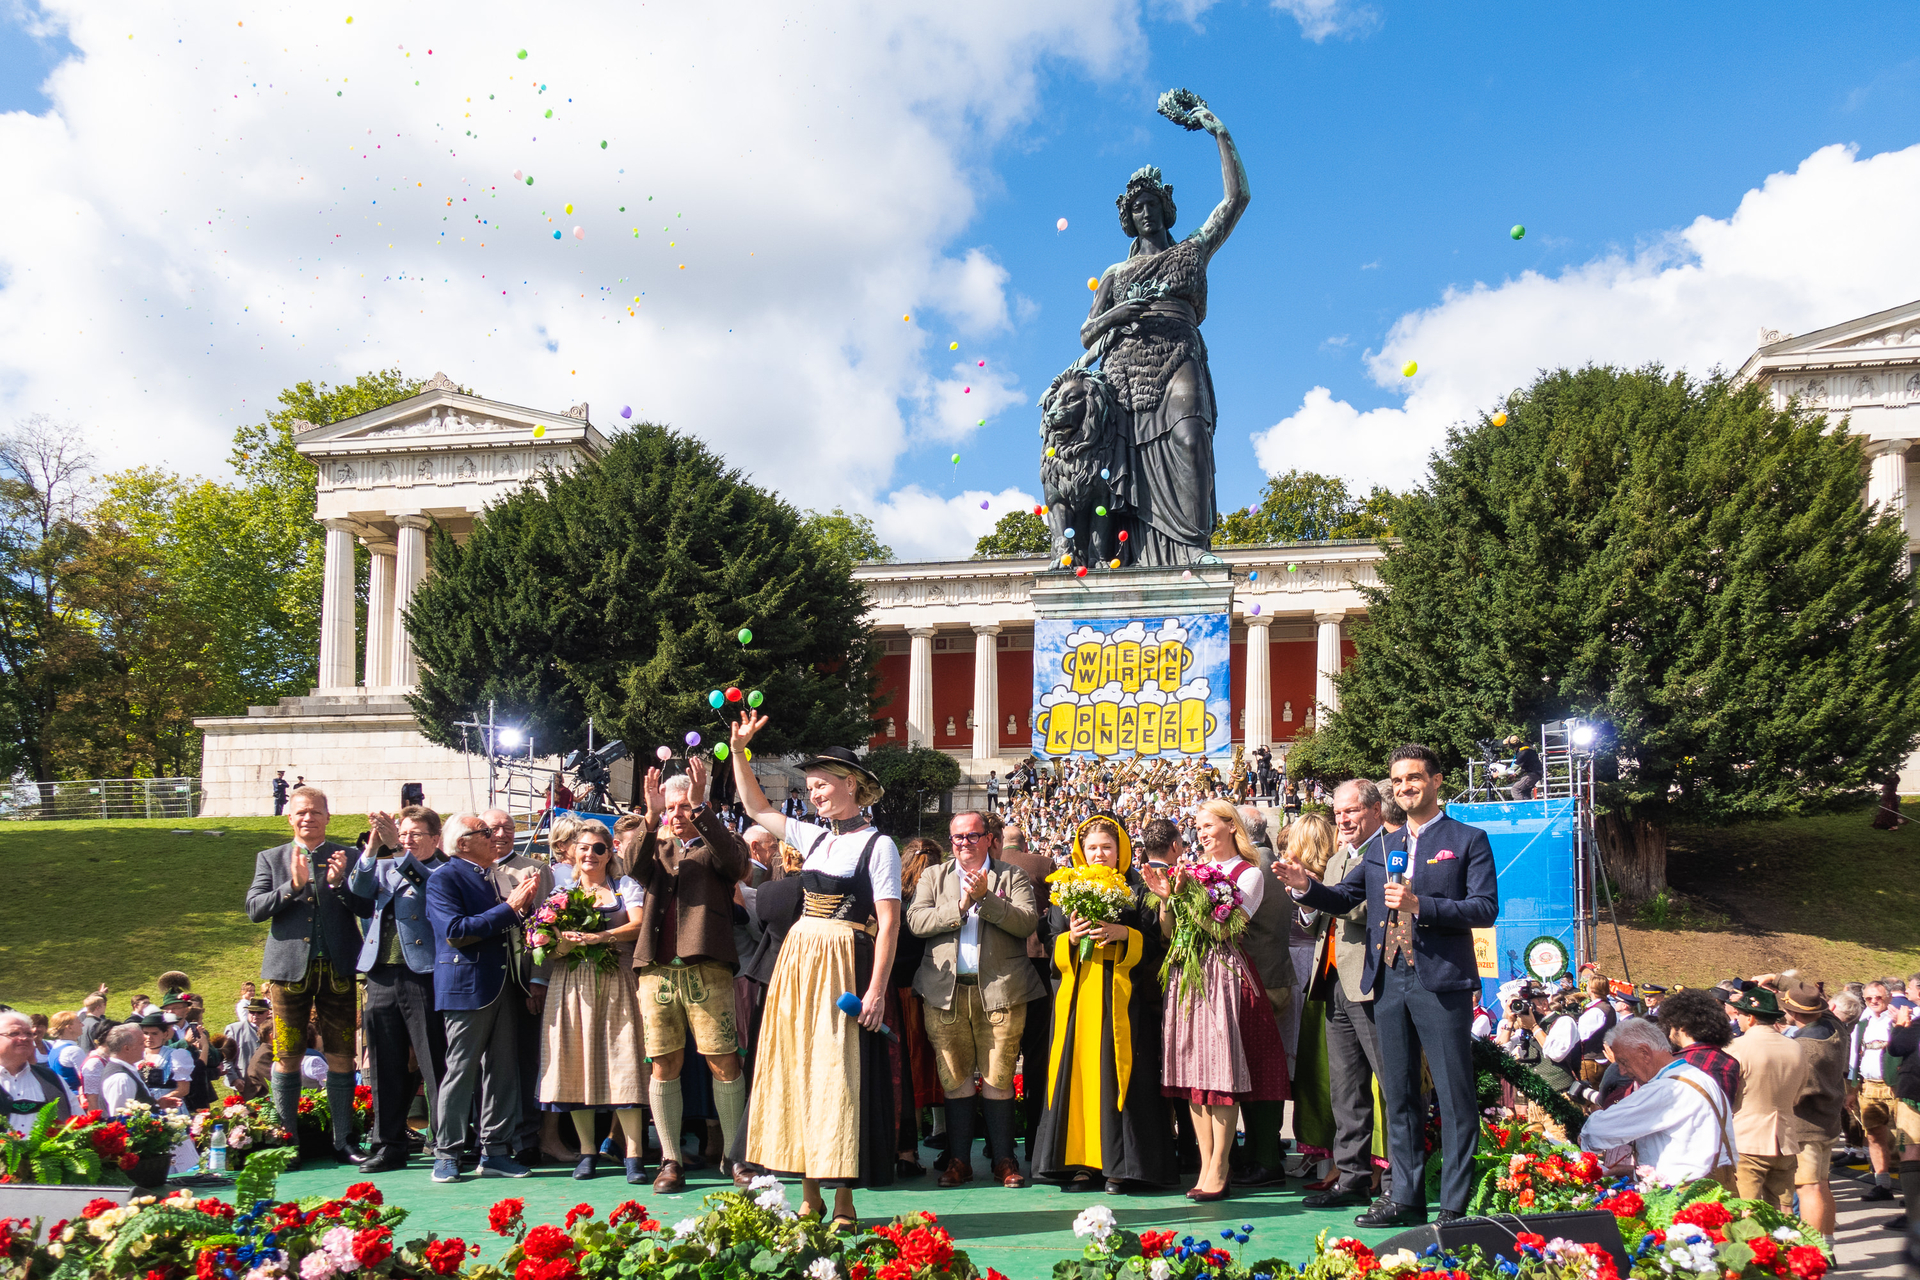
(1887, 476)
(1327, 663)
(986, 692)
(1259, 704)
(379, 662)
(409, 567)
(920, 688)
(336, 609)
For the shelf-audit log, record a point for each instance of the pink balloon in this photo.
(1058, 226)
(579, 233)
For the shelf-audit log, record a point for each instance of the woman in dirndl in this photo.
(825, 1098)
(590, 1022)
(1222, 1046)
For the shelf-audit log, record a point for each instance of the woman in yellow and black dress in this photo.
(1106, 1122)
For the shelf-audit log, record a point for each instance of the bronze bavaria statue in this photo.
(1128, 471)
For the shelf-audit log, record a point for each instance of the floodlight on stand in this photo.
(1583, 734)
(509, 738)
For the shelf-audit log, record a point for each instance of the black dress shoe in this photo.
(1115, 1187)
(1336, 1197)
(1879, 1193)
(349, 1155)
(1447, 1217)
(1260, 1176)
(1388, 1213)
(385, 1160)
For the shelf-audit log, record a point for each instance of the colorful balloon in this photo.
(1060, 225)
(1081, 572)
(1186, 573)
(1093, 282)
(748, 753)
(1254, 576)
(1499, 419)
(569, 209)
(1123, 535)
(720, 751)
(517, 175)
(956, 459)
(556, 235)
(626, 411)
(745, 636)
(1049, 451)
(1099, 511)
(1069, 533)
(1114, 565)
(716, 699)
(755, 698)
(1256, 609)
(579, 233)
(1519, 232)
(522, 55)
(664, 753)
(953, 346)
(1410, 368)
(539, 431)
(983, 504)
(734, 694)
(693, 739)
(1104, 474)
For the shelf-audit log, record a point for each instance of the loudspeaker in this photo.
(1495, 1235)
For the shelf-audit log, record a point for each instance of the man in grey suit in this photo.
(398, 958)
(1353, 1048)
(313, 939)
(1267, 943)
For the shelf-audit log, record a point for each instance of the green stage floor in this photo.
(1020, 1233)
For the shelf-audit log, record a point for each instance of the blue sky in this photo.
(1388, 158)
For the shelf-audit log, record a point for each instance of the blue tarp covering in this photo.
(1533, 854)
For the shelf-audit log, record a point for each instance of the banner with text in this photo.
(1132, 686)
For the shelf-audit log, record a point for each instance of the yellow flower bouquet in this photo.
(1091, 892)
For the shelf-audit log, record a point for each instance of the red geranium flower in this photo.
(1705, 1214)
(372, 1246)
(1766, 1251)
(364, 1191)
(1624, 1204)
(627, 1211)
(552, 1269)
(578, 1212)
(129, 1162)
(445, 1256)
(1153, 1243)
(1806, 1262)
(94, 1208)
(505, 1217)
(547, 1241)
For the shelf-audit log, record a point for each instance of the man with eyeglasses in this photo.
(397, 958)
(511, 867)
(976, 913)
(25, 1085)
(1866, 1076)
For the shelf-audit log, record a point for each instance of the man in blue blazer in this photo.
(397, 957)
(1427, 887)
(473, 954)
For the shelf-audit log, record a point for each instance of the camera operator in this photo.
(1540, 1033)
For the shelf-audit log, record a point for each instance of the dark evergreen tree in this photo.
(1672, 559)
(618, 590)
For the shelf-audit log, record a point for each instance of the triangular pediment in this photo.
(442, 416)
(1894, 327)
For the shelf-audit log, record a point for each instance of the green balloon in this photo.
(1519, 232)
(716, 699)
(720, 751)
(745, 636)
(956, 457)
(755, 698)
(1099, 511)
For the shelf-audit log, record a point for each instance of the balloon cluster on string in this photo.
(719, 700)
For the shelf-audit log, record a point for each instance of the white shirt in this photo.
(117, 1089)
(90, 1071)
(26, 1087)
(313, 1068)
(840, 855)
(1671, 1127)
(1874, 1030)
(1482, 1026)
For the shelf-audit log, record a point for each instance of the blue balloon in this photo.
(1103, 473)
(1069, 533)
(556, 235)
(1254, 576)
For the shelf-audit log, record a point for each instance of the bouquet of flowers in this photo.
(251, 1126)
(1112, 1252)
(316, 1114)
(1207, 913)
(1092, 892)
(153, 1133)
(81, 1150)
(571, 910)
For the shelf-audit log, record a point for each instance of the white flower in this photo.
(1399, 1258)
(1158, 1269)
(685, 1227)
(1097, 1222)
(57, 1250)
(772, 1198)
(762, 1182)
(1785, 1233)
(822, 1269)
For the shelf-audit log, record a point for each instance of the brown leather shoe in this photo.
(957, 1174)
(671, 1179)
(1006, 1171)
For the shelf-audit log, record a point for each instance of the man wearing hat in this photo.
(1526, 767)
(1773, 1075)
(1651, 994)
(166, 1067)
(1820, 1114)
(245, 1036)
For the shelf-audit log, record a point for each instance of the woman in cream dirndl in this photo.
(1222, 1046)
(590, 1023)
(824, 1102)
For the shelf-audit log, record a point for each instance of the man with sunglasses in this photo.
(1873, 1093)
(511, 867)
(397, 958)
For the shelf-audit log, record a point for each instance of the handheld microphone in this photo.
(1396, 874)
(849, 1004)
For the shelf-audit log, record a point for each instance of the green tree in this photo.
(851, 538)
(1018, 533)
(618, 590)
(1671, 559)
(912, 776)
(1305, 506)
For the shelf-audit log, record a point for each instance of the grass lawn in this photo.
(123, 902)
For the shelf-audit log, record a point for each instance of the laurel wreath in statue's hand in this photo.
(1188, 110)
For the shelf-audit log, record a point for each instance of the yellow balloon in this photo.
(1093, 282)
(539, 431)
(953, 346)
(1066, 560)
(1114, 565)
(1412, 367)
(906, 319)
(1499, 419)
(569, 208)
(1049, 451)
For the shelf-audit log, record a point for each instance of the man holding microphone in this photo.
(1427, 887)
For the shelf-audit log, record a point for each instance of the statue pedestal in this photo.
(1132, 592)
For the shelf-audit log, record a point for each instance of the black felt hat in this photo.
(843, 757)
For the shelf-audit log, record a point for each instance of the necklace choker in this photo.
(841, 826)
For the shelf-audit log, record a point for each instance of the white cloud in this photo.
(925, 526)
(222, 203)
(1319, 19)
(1823, 244)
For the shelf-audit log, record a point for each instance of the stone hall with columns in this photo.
(957, 667)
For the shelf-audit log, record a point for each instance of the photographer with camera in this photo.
(1541, 1033)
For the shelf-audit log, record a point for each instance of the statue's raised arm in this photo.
(1191, 112)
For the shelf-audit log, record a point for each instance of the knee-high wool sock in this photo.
(960, 1129)
(340, 1105)
(730, 1100)
(286, 1100)
(999, 1113)
(1910, 1187)
(665, 1097)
